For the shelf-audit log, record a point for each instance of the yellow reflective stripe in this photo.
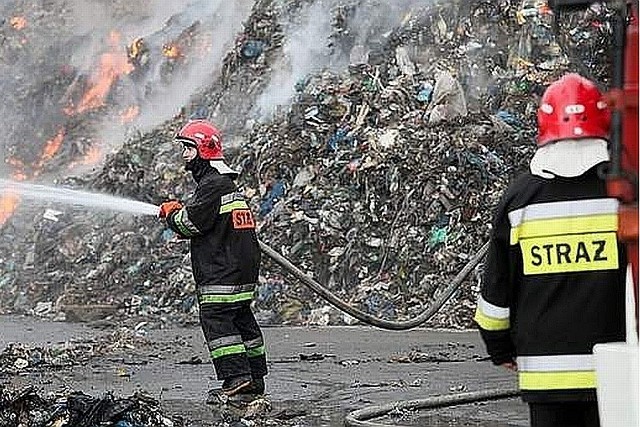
(490, 323)
(569, 254)
(564, 226)
(180, 222)
(204, 299)
(225, 351)
(238, 204)
(557, 380)
(255, 352)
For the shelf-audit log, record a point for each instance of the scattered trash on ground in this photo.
(379, 179)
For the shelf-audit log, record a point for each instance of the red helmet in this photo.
(572, 108)
(204, 136)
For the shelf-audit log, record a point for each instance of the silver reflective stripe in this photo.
(563, 209)
(226, 289)
(254, 343)
(224, 342)
(565, 362)
(227, 198)
(493, 310)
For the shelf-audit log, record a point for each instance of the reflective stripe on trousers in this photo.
(216, 294)
(225, 346)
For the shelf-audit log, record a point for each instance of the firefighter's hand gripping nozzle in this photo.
(167, 207)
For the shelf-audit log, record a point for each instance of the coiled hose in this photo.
(366, 317)
(359, 417)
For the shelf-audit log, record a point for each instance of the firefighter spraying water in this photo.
(555, 230)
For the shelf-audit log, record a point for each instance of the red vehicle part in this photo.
(622, 184)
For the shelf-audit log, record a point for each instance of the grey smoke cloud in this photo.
(72, 35)
(306, 50)
(307, 42)
(224, 19)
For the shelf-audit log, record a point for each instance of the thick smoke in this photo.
(47, 64)
(222, 21)
(327, 36)
(306, 50)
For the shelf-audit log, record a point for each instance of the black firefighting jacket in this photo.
(554, 284)
(225, 254)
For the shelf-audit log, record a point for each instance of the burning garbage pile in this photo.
(69, 92)
(379, 180)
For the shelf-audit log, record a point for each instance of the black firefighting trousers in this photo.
(564, 414)
(234, 338)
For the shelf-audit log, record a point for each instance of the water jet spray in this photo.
(77, 198)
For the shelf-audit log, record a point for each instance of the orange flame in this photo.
(51, 148)
(9, 199)
(18, 22)
(111, 67)
(18, 173)
(8, 204)
(16, 163)
(545, 9)
(129, 114)
(171, 51)
(135, 47)
(91, 157)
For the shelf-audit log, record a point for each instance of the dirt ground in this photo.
(317, 375)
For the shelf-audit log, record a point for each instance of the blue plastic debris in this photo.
(267, 292)
(437, 236)
(425, 93)
(509, 118)
(381, 307)
(302, 83)
(200, 113)
(252, 49)
(188, 303)
(341, 136)
(168, 234)
(277, 191)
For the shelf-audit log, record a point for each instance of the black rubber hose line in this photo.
(366, 317)
(359, 417)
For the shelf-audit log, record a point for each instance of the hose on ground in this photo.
(359, 417)
(366, 317)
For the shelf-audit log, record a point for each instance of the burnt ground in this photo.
(317, 374)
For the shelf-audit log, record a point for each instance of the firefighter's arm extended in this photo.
(493, 313)
(198, 214)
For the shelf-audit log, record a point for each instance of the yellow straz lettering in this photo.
(567, 254)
